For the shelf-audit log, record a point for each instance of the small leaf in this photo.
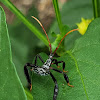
(10, 85)
(54, 34)
(83, 25)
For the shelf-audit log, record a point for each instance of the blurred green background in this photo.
(25, 45)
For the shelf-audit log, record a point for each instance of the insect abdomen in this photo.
(41, 71)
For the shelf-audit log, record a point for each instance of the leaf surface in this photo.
(10, 85)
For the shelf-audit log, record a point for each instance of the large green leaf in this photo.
(10, 85)
(83, 65)
(87, 58)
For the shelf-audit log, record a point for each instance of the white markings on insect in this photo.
(47, 63)
(44, 70)
(40, 71)
(56, 90)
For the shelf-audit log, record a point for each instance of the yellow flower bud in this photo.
(83, 25)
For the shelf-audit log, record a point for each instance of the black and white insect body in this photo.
(47, 64)
(41, 71)
(46, 67)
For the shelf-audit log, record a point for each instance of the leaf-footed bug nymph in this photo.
(45, 68)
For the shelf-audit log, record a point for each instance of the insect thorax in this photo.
(47, 64)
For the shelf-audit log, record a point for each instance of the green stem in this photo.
(58, 16)
(25, 21)
(96, 8)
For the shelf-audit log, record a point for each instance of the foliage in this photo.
(10, 85)
(81, 54)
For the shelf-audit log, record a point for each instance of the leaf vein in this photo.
(78, 72)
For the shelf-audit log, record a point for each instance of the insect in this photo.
(46, 67)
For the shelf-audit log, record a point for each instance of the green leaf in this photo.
(83, 65)
(29, 95)
(58, 39)
(87, 58)
(54, 34)
(10, 85)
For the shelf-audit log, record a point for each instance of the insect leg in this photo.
(67, 80)
(31, 65)
(57, 62)
(39, 58)
(55, 88)
(65, 76)
(27, 74)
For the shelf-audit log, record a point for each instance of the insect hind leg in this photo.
(67, 80)
(55, 88)
(64, 74)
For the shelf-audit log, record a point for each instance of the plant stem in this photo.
(25, 21)
(58, 16)
(96, 8)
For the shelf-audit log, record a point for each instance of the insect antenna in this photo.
(63, 39)
(44, 32)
